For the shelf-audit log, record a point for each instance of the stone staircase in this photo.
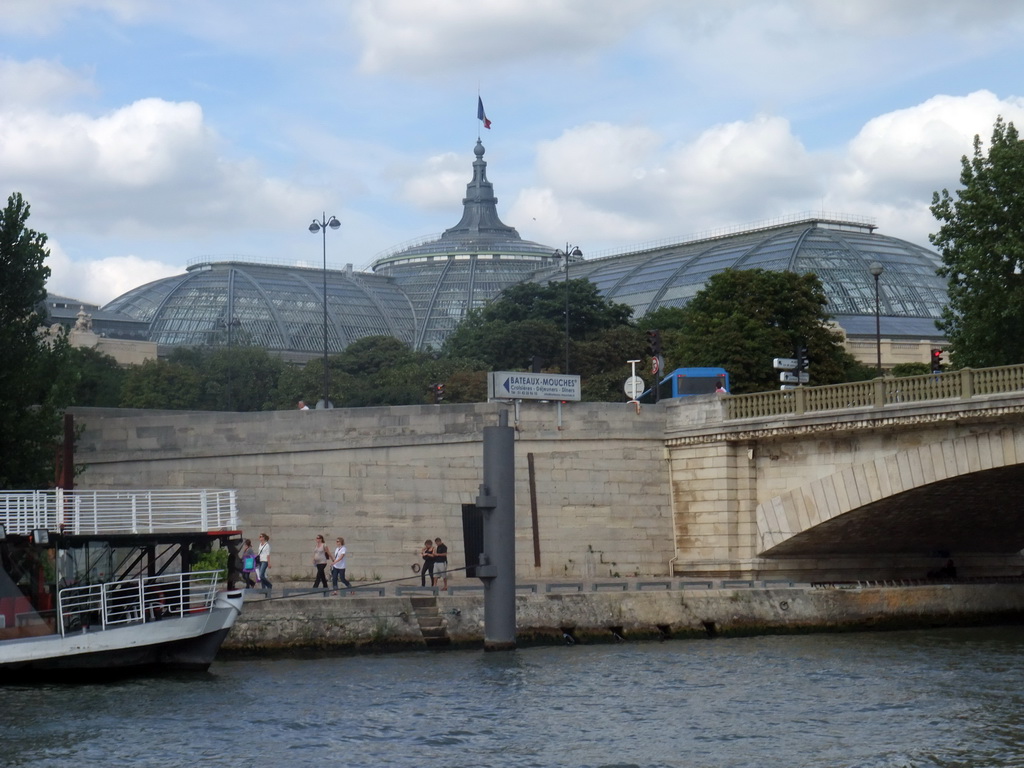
(432, 626)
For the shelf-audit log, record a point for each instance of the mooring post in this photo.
(497, 569)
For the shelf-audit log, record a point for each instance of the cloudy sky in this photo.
(147, 134)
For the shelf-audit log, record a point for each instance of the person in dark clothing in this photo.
(440, 563)
(427, 553)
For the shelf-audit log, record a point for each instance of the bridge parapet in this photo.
(878, 393)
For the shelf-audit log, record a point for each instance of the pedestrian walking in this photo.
(263, 562)
(321, 557)
(248, 559)
(338, 566)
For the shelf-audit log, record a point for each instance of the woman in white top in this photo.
(338, 568)
(263, 556)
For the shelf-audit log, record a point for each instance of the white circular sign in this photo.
(634, 387)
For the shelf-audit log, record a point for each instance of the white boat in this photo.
(96, 584)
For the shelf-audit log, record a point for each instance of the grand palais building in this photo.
(418, 293)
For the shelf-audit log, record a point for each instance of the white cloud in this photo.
(626, 183)
(151, 167)
(38, 82)
(414, 37)
(100, 280)
(909, 153)
(439, 182)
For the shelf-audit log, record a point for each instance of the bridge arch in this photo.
(962, 494)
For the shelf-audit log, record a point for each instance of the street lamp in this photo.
(877, 269)
(234, 322)
(570, 252)
(321, 226)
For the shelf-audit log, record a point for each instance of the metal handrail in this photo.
(133, 601)
(118, 511)
(878, 393)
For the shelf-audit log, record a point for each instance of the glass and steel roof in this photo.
(419, 292)
(271, 306)
(838, 251)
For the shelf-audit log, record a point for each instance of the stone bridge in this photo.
(881, 479)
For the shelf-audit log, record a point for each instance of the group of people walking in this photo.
(322, 558)
(255, 563)
(256, 560)
(435, 563)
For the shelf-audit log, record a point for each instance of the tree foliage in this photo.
(97, 378)
(162, 384)
(981, 241)
(742, 319)
(34, 382)
(529, 320)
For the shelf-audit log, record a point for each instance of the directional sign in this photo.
(511, 385)
(792, 378)
(634, 387)
(784, 363)
(787, 386)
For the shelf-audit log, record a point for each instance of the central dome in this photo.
(465, 267)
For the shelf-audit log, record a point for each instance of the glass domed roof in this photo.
(270, 306)
(838, 250)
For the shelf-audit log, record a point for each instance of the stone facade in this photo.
(388, 478)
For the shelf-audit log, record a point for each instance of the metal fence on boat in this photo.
(133, 601)
(119, 511)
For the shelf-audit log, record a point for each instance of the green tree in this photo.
(162, 384)
(742, 319)
(529, 320)
(981, 241)
(97, 378)
(910, 369)
(34, 379)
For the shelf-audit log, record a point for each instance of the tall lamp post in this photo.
(570, 252)
(321, 226)
(877, 269)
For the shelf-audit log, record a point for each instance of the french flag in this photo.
(480, 114)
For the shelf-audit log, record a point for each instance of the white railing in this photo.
(133, 601)
(113, 511)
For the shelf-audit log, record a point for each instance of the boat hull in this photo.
(189, 642)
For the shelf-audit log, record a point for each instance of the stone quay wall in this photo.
(376, 623)
(592, 488)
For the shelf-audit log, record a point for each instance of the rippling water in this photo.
(916, 699)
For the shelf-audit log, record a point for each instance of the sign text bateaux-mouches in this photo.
(516, 385)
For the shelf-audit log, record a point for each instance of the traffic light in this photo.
(438, 393)
(936, 361)
(654, 343)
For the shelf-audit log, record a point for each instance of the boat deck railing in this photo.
(118, 511)
(132, 601)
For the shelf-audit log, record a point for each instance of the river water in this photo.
(883, 700)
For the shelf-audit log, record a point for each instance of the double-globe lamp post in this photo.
(876, 269)
(570, 252)
(321, 226)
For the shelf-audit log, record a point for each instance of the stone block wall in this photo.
(387, 478)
